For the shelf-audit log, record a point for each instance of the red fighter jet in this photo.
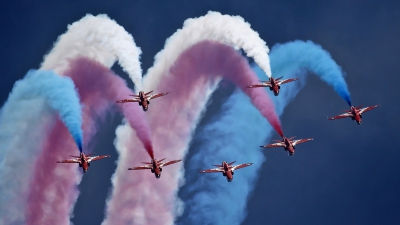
(143, 99)
(83, 160)
(273, 84)
(287, 143)
(355, 113)
(155, 166)
(227, 169)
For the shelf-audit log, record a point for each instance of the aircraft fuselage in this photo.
(84, 163)
(288, 146)
(143, 101)
(156, 169)
(274, 86)
(228, 173)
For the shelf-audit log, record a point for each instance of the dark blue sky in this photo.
(348, 175)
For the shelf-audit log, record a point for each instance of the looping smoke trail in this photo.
(190, 80)
(99, 78)
(28, 98)
(98, 87)
(207, 197)
(317, 60)
(230, 30)
(98, 38)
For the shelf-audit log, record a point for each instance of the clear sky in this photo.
(349, 174)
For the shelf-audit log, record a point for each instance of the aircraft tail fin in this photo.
(161, 160)
(231, 163)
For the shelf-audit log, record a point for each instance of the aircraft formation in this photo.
(227, 169)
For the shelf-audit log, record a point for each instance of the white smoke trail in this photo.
(98, 38)
(226, 29)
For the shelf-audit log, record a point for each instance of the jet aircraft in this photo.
(273, 84)
(83, 160)
(143, 99)
(227, 169)
(155, 166)
(287, 143)
(355, 113)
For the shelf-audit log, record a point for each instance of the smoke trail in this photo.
(230, 30)
(316, 60)
(60, 93)
(190, 81)
(207, 197)
(214, 26)
(23, 127)
(98, 38)
(99, 87)
(98, 78)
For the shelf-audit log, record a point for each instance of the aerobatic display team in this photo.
(74, 88)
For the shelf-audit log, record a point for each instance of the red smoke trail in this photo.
(137, 196)
(94, 77)
(54, 186)
(213, 59)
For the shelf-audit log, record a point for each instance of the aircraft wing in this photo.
(240, 166)
(341, 116)
(157, 95)
(267, 84)
(296, 142)
(94, 158)
(128, 100)
(141, 167)
(274, 145)
(215, 170)
(366, 109)
(70, 161)
(287, 81)
(170, 162)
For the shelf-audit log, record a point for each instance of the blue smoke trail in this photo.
(308, 55)
(61, 95)
(25, 121)
(236, 133)
(59, 92)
